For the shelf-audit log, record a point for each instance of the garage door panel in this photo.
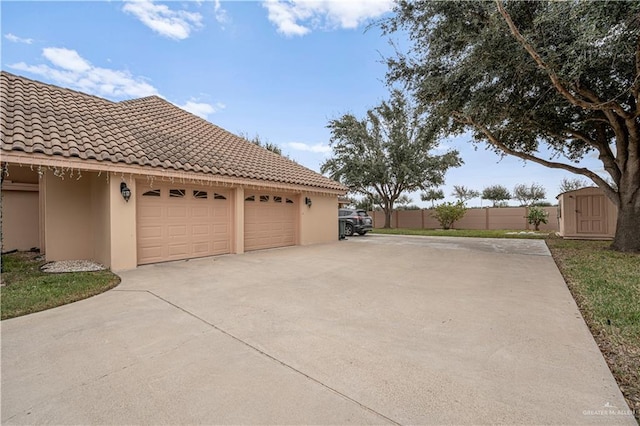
(200, 212)
(200, 231)
(179, 212)
(178, 250)
(189, 224)
(269, 224)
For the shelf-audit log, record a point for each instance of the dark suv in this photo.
(355, 221)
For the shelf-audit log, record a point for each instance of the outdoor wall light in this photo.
(126, 192)
(307, 201)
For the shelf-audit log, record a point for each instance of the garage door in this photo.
(181, 222)
(269, 221)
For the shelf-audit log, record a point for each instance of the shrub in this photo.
(448, 213)
(536, 216)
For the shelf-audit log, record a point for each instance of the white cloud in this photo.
(317, 148)
(66, 58)
(299, 17)
(15, 39)
(175, 24)
(69, 69)
(202, 109)
(220, 13)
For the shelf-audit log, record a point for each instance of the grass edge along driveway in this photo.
(26, 289)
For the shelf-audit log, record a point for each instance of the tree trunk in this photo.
(387, 217)
(627, 236)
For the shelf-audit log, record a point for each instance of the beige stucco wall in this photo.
(237, 216)
(318, 223)
(20, 209)
(87, 218)
(68, 218)
(568, 218)
(122, 223)
(20, 217)
(100, 219)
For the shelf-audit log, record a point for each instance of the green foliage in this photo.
(269, 146)
(432, 195)
(464, 194)
(498, 194)
(572, 184)
(546, 81)
(387, 153)
(528, 195)
(448, 213)
(536, 216)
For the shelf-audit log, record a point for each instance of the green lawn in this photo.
(26, 289)
(463, 233)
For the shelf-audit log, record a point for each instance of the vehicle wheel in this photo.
(348, 229)
(363, 233)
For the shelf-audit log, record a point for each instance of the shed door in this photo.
(269, 220)
(590, 214)
(178, 221)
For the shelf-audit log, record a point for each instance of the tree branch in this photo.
(555, 80)
(493, 140)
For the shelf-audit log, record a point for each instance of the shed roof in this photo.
(46, 120)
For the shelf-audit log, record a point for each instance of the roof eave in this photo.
(33, 159)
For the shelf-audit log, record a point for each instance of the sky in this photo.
(279, 69)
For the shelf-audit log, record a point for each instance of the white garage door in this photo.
(180, 222)
(269, 220)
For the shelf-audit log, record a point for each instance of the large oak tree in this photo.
(387, 153)
(534, 77)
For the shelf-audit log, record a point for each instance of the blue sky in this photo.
(278, 69)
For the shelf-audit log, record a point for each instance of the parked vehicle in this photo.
(356, 221)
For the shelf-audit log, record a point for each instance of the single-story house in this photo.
(143, 181)
(586, 213)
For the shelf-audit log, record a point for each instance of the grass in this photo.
(606, 287)
(499, 233)
(26, 289)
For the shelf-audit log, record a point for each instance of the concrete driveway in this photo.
(373, 330)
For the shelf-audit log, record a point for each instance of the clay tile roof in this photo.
(151, 132)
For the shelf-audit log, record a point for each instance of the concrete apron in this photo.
(373, 330)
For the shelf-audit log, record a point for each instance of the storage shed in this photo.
(586, 213)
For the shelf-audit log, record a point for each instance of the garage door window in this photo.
(178, 193)
(250, 198)
(152, 193)
(277, 199)
(200, 194)
(289, 201)
(217, 196)
(264, 198)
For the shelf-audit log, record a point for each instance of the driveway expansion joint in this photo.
(265, 354)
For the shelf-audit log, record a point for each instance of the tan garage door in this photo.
(180, 222)
(269, 220)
